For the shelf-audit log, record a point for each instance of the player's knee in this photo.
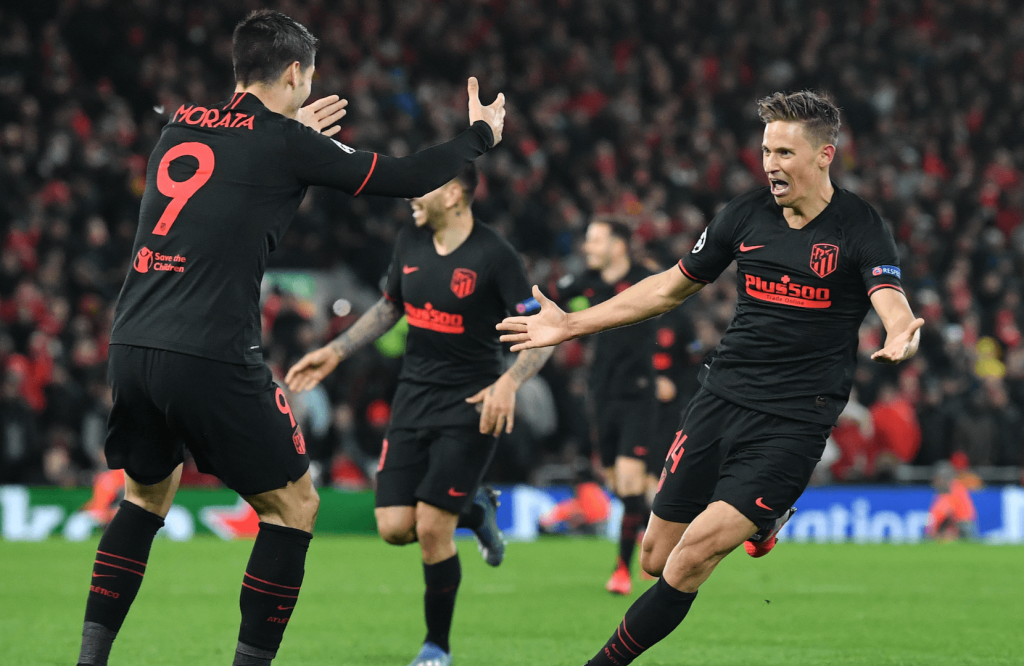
(650, 560)
(431, 533)
(396, 533)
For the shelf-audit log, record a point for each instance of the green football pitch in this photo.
(932, 604)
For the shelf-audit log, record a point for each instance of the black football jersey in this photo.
(452, 304)
(791, 348)
(222, 186)
(622, 366)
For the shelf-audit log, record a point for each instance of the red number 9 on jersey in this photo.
(181, 192)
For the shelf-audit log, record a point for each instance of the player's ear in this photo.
(826, 154)
(452, 194)
(293, 75)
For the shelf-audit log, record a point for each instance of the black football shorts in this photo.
(758, 463)
(234, 420)
(441, 466)
(667, 423)
(625, 428)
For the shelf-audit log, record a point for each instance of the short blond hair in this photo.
(817, 112)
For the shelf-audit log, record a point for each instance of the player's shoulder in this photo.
(492, 240)
(759, 198)
(852, 203)
(858, 216)
(748, 206)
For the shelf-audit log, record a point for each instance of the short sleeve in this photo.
(393, 285)
(877, 258)
(513, 284)
(319, 160)
(713, 251)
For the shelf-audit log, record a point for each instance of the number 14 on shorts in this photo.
(675, 452)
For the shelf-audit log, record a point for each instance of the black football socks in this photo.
(270, 589)
(634, 519)
(442, 581)
(651, 618)
(116, 576)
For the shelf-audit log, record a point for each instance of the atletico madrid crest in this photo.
(463, 282)
(824, 258)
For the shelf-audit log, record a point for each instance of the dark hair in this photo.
(618, 228)
(468, 178)
(266, 42)
(816, 111)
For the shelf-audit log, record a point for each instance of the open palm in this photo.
(547, 328)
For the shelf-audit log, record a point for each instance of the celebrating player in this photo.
(454, 280)
(186, 364)
(812, 259)
(621, 383)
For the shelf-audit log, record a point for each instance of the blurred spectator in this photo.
(897, 433)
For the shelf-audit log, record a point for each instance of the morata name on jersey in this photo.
(204, 117)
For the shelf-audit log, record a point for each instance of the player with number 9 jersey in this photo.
(185, 361)
(222, 186)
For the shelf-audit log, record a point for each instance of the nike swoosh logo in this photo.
(455, 493)
(410, 269)
(96, 575)
(762, 504)
(285, 607)
(748, 248)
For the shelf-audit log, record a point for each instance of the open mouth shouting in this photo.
(780, 186)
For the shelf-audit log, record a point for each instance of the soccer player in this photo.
(186, 363)
(454, 279)
(621, 383)
(812, 259)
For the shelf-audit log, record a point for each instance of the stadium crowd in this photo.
(641, 109)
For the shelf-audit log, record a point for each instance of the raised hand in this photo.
(323, 113)
(311, 369)
(547, 328)
(493, 115)
(901, 346)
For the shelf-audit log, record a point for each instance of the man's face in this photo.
(428, 208)
(597, 246)
(793, 165)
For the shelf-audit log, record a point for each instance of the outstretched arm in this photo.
(648, 298)
(317, 364)
(499, 399)
(318, 161)
(902, 330)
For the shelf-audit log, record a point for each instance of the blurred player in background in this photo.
(812, 259)
(454, 279)
(621, 382)
(186, 363)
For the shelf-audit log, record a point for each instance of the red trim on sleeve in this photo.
(373, 165)
(238, 100)
(390, 297)
(884, 286)
(687, 273)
